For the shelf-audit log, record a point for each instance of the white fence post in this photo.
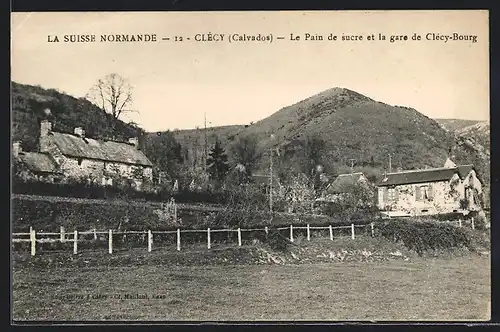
(472, 223)
(267, 230)
(62, 236)
(208, 238)
(110, 241)
(178, 239)
(33, 241)
(352, 231)
(331, 232)
(291, 233)
(95, 234)
(239, 237)
(308, 233)
(373, 230)
(150, 240)
(459, 222)
(75, 242)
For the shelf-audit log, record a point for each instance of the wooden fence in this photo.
(63, 237)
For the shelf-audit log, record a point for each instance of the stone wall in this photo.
(97, 170)
(445, 197)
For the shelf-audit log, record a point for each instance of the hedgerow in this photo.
(50, 213)
(425, 235)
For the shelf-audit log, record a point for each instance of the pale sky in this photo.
(240, 82)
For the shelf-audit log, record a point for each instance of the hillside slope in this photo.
(480, 132)
(353, 127)
(67, 112)
(455, 124)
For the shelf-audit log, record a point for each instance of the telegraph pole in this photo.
(390, 164)
(206, 143)
(271, 178)
(271, 181)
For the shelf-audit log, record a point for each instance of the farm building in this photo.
(430, 191)
(75, 156)
(41, 166)
(342, 185)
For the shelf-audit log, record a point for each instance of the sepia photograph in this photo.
(250, 166)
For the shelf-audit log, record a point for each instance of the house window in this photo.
(391, 194)
(424, 193)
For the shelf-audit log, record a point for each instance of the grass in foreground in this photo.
(432, 289)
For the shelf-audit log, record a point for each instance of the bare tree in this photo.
(113, 94)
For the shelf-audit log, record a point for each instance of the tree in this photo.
(113, 94)
(164, 152)
(355, 203)
(313, 147)
(217, 163)
(296, 195)
(244, 152)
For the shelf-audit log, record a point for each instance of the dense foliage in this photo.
(276, 240)
(423, 236)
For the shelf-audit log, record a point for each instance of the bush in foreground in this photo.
(277, 241)
(424, 236)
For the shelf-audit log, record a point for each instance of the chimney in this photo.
(134, 141)
(16, 149)
(79, 132)
(45, 128)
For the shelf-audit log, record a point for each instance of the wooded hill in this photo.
(354, 128)
(67, 112)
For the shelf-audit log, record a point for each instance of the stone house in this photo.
(447, 189)
(100, 161)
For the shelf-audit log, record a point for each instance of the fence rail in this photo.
(75, 237)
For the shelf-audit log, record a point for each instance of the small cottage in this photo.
(76, 156)
(447, 189)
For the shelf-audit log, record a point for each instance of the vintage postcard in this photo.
(250, 166)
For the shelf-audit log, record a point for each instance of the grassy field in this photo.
(418, 289)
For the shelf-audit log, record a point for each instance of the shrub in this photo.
(92, 190)
(276, 240)
(423, 236)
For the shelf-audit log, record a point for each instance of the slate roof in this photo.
(342, 182)
(88, 148)
(39, 162)
(425, 175)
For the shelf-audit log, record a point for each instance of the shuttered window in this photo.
(381, 196)
(423, 193)
(430, 193)
(392, 194)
